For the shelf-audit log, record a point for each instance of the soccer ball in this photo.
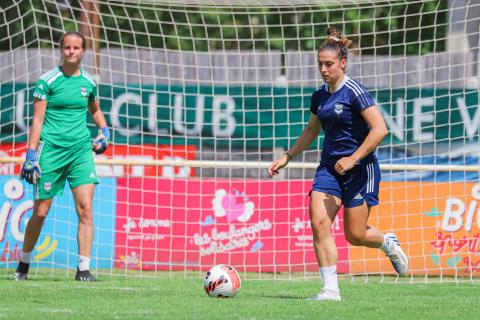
(222, 281)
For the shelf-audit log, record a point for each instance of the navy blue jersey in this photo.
(339, 113)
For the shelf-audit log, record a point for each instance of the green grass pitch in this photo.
(181, 296)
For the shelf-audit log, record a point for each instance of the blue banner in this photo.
(57, 244)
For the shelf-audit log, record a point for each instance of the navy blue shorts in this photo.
(359, 184)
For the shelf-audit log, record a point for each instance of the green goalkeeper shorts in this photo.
(59, 164)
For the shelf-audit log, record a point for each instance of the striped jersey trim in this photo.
(89, 77)
(54, 74)
(48, 74)
(359, 92)
(40, 96)
(55, 77)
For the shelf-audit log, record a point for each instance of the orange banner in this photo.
(438, 225)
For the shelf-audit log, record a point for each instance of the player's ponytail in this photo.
(336, 42)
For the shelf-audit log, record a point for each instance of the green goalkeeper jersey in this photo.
(65, 123)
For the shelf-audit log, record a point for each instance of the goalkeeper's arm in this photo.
(101, 142)
(31, 169)
(39, 109)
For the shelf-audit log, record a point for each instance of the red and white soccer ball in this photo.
(222, 281)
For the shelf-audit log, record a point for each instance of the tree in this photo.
(405, 28)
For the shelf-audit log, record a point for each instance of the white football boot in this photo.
(327, 295)
(398, 258)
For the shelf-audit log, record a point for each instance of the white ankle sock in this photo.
(387, 245)
(329, 277)
(83, 263)
(25, 257)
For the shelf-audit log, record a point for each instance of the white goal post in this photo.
(202, 95)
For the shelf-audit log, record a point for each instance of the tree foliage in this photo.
(402, 29)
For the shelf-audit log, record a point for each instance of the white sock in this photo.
(387, 245)
(329, 277)
(25, 256)
(83, 263)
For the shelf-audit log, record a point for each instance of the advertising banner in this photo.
(252, 116)
(438, 225)
(119, 151)
(57, 244)
(261, 226)
(147, 152)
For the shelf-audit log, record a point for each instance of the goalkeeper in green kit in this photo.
(59, 149)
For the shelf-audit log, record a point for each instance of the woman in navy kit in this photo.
(348, 173)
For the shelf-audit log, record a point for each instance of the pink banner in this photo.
(260, 226)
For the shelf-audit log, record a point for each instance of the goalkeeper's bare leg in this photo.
(83, 196)
(32, 232)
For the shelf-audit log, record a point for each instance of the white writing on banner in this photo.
(458, 214)
(135, 229)
(13, 190)
(132, 225)
(124, 98)
(423, 120)
(221, 241)
(471, 125)
(224, 123)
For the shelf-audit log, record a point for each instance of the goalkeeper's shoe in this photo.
(327, 295)
(398, 258)
(85, 276)
(21, 272)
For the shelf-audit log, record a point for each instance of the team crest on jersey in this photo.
(83, 91)
(338, 108)
(47, 186)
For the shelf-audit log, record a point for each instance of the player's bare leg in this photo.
(359, 233)
(323, 210)
(83, 196)
(32, 232)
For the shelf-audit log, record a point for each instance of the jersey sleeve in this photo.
(42, 90)
(362, 100)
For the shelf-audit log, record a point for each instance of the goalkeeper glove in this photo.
(101, 142)
(30, 169)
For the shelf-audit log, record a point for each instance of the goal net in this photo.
(202, 95)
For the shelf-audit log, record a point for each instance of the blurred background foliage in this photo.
(408, 28)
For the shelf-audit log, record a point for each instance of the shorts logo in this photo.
(319, 107)
(47, 186)
(338, 108)
(83, 91)
(92, 175)
(358, 197)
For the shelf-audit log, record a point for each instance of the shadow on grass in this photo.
(276, 296)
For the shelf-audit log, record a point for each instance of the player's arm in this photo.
(378, 131)
(39, 109)
(101, 142)
(309, 133)
(31, 169)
